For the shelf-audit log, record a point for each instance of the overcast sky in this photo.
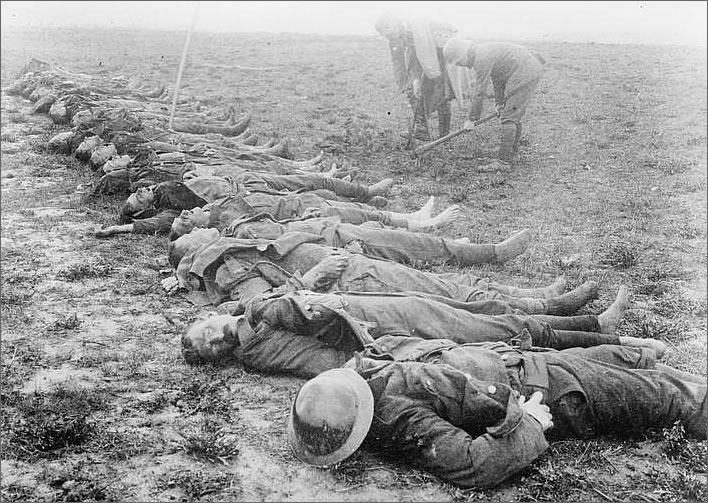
(661, 22)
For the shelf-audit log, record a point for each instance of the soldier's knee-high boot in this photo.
(420, 124)
(444, 118)
(507, 146)
(517, 140)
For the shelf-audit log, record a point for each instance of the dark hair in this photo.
(128, 214)
(190, 355)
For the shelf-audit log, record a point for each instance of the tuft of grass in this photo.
(197, 484)
(677, 306)
(208, 441)
(204, 396)
(654, 327)
(619, 255)
(351, 471)
(682, 486)
(550, 482)
(39, 424)
(82, 481)
(65, 322)
(679, 448)
(14, 296)
(97, 268)
(119, 446)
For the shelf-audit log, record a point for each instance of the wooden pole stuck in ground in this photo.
(181, 66)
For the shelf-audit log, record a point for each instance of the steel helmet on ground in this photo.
(330, 417)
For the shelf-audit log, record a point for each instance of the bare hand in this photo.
(105, 233)
(311, 213)
(171, 285)
(328, 271)
(540, 412)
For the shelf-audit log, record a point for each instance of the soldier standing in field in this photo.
(420, 71)
(515, 72)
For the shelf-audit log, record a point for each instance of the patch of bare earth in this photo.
(97, 401)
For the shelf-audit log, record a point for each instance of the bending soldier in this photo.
(419, 69)
(515, 73)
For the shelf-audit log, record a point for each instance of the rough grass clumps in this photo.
(351, 471)
(45, 422)
(654, 327)
(678, 447)
(207, 440)
(619, 255)
(83, 481)
(65, 322)
(684, 485)
(551, 482)
(677, 306)
(197, 484)
(660, 280)
(12, 296)
(97, 268)
(207, 397)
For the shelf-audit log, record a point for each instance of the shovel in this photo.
(424, 148)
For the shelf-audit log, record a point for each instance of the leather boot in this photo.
(507, 146)
(517, 140)
(444, 119)
(420, 125)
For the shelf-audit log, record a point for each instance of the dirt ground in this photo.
(99, 405)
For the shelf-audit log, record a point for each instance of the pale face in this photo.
(211, 339)
(189, 220)
(141, 199)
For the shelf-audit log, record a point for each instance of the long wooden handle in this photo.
(424, 148)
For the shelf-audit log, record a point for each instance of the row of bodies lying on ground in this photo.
(121, 130)
(314, 453)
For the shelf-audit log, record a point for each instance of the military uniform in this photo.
(228, 201)
(305, 333)
(435, 92)
(235, 269)
(515, 73)
(453, 409)
(376, 240)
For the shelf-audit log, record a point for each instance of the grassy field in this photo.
(97, 401)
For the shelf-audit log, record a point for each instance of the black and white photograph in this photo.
(353, 251)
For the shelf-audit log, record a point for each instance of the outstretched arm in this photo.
(112, 230)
